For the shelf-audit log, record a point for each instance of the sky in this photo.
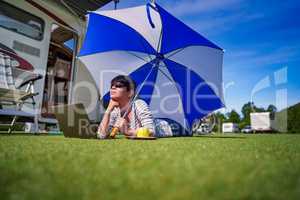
(261, 42)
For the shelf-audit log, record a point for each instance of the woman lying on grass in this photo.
(122, 91)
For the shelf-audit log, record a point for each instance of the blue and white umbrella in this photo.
(183, 69)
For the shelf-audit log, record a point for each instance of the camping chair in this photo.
(10, 94)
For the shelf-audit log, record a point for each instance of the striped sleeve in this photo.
(144, 115)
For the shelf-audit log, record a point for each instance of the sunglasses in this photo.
(117, 85)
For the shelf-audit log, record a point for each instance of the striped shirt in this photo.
(141, 117)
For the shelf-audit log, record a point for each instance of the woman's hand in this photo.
(131, 132)
(112, 104)
(122, 125)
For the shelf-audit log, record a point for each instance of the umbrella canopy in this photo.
(179, 71)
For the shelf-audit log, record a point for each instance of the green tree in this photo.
(220, 118)
(234, 117)
(257, 109)
(246, 110)
(272, 109)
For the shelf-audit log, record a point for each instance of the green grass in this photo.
(216, 167)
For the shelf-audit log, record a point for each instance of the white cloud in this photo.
(255, 58)
(181, 8)
(215, 25)
(211, 17)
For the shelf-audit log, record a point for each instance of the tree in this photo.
(257, 109)
(220, 118)
(272, 109)
(234, 117)
(288, 119)
(246, 110)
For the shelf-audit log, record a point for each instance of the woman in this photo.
(122, 91)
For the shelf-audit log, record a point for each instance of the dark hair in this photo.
(124, 80)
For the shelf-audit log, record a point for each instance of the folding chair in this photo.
(10, 94)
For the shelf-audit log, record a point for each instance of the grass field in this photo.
(215, 167)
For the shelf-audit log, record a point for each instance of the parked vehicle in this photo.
(204, 128)
(261, 122)
(229, 127)
(44, 37)
(247, 129)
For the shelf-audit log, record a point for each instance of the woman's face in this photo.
(119, 92)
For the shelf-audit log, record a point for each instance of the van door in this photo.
(62, 51)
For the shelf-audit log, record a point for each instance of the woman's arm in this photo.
(104, 125)
(144, 115)
(103, 129)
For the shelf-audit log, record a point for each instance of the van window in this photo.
(19, 21)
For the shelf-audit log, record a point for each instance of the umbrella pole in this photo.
(115, 130)
(116, 3)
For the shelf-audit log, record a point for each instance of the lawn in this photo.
(204, 167)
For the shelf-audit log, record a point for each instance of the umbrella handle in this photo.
(114, 132)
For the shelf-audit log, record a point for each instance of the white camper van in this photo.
(36, 34)
(230, 127)
(261, 122)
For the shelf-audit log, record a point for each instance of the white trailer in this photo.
(229, 127)
(261, 122)
(35, 33)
